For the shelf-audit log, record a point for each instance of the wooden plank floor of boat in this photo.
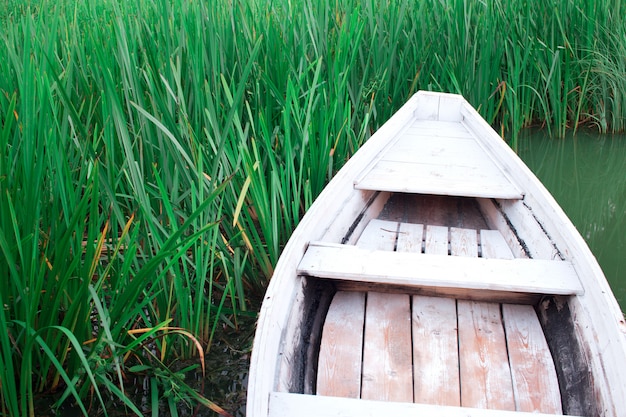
(436, 350)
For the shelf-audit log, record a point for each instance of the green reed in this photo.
(156, 156)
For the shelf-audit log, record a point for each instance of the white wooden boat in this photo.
(435, 275)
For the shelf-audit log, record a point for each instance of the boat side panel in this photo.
(298, 368)
(522, 233)
(348, 224)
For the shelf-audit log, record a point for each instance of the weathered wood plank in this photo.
(442, 166)
(436, 240)
(379, 234)
(387, 355)
(410, 237)
(463, 242)
(340, 357)
(309, 312)
(530, 230)
(450, 108)
(437, 106)
(535, 383)
(345, 262)
(435, 351)
(484, 366)
(282, 404)
(435, 343)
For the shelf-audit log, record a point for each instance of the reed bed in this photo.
(156, 155)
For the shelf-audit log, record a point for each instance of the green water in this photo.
(586, 173)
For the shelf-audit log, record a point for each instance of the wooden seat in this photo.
(434, 350)
(440, 275)
(282, 404)
(421, 264)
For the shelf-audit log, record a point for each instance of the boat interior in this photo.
(486, 326)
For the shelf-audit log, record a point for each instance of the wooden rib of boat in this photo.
(436, 275)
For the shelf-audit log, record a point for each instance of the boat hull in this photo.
(583, 325)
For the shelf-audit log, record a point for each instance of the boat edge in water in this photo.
(595, 315)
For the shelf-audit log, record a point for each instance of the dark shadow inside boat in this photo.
(575, 382)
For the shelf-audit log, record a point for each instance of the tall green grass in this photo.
(156, 155)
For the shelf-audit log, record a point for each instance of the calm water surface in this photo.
(586, 174)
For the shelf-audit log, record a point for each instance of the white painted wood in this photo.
(439, 106)
(435, 351)
(426, 108)
(351, 263)
(290, 335)
(535, 383)
(340, 357)
(436, 240)
(437, 180)
(444, 165)
(290, 405)
(379, 234)
(450, 108)
(445, 151)
(436, 129)
(387, 354)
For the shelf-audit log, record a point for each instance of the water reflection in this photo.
(586, 173)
